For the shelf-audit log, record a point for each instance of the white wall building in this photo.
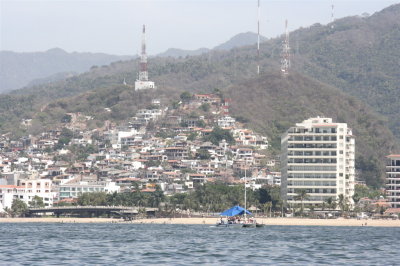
(318, 156)
(146, 115)
(144, 85)
(27, 190)
(73, 190)
(226, 121)
(393, 180)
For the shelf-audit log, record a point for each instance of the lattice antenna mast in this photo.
(143, 74)
(258, 38)
(332, 16)
(285, 62)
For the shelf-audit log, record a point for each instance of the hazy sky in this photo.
(115, 26)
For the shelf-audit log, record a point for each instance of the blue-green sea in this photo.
(143, 244)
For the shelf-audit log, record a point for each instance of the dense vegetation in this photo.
(359, 55)
(207, 198)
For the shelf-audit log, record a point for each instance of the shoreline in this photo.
(212, 221)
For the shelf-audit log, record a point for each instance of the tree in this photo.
(331, 203)
(185, 96)
(301, 195)
(267, 208)
(64, 139)
(37, 202)
(203, 155)
(92, 199)
(66, 118)
(19, 208)
(205, 107)
(201, 123)
(343, 203)
(218, 134)
(192, 136)
(363, 191)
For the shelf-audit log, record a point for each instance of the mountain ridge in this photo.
(238, 40)
(18, 69)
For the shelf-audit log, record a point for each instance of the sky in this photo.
(114, 26)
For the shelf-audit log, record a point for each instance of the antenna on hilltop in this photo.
(143, 74)
(143, 82)
(258, 38)
(285, 61)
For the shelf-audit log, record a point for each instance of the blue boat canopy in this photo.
(236, 210)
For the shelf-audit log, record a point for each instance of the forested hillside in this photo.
(359, 55)
(269, 104)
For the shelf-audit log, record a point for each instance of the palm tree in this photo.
(343, 203)
(301, 195)
(267, 207)
(331, 203)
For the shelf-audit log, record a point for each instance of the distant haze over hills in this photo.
(239, 40)
(19, 69)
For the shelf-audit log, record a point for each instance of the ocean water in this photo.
(143, 244)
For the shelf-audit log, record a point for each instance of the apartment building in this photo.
(75, 189)
(26, 191)
(393, 180)
(318, 156)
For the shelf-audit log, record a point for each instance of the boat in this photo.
(233, 215)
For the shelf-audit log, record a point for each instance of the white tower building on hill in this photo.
(318, 156)
(143, 83)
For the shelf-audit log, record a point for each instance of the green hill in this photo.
(269, 104)
(359, 55)
(353, 57)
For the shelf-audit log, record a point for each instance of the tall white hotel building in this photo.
(318, 156)
(393, 180)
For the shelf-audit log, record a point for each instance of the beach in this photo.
(212, 221)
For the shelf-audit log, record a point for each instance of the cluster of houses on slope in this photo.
(174, 153)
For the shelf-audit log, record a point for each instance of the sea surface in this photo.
(164, 244)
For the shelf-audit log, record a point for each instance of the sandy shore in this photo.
(211, 221)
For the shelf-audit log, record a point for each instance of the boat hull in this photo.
(230, 225)
(249, 225)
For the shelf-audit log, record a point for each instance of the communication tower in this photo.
(258, 38)
(285, 61)
(143, 83)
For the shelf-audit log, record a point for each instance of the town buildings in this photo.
(175, 149)
(318, 156)
(393, 180)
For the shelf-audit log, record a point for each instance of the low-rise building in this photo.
(26, 191)
(74, 189)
